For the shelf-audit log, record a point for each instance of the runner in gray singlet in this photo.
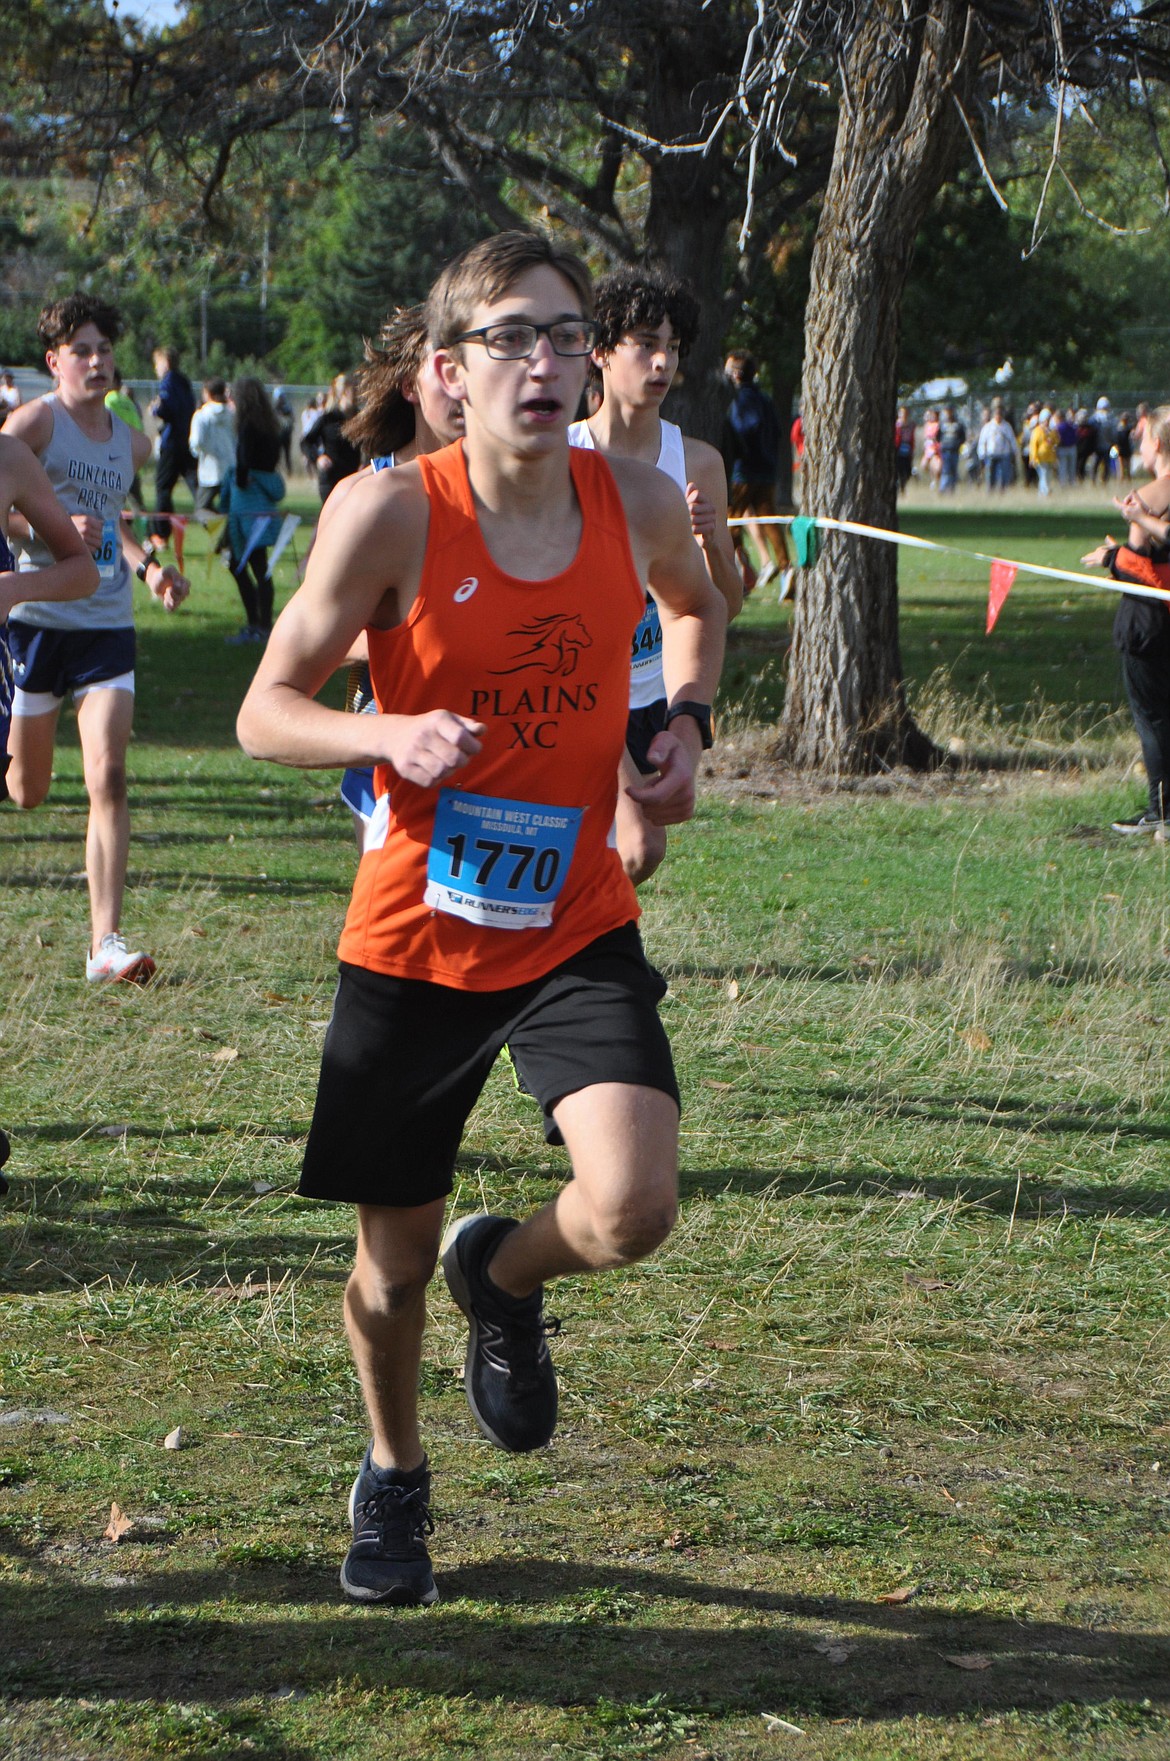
(87, 646)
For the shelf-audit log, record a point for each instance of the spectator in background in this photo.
(903, 447)
(751, 454)
(1104, 428)
(10, 398)
(998, 450)
(1042, 452)
(1139, 427)
(1086, 443)
(1123, 445)
(172, 409)
(1141, 628)
(952, 435)
(251, 491)
(122, 402)
(284, 415)
(309, 415)
(213, 443)
(796, 436)
(931, 447)
(334, 456)
(1066, 448)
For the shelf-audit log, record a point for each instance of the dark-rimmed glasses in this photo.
(515, 342)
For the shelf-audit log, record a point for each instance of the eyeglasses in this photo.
(515, 342)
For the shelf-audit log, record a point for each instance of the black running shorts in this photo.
(641, 728)
(404, 1063)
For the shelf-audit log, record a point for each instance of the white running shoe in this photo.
(114, 960)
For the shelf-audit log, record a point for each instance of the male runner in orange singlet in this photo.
(501, 580)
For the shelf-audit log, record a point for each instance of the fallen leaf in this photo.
(225, 1055)
(834, 1650)
(918, 1282)
(967, 1660)
(774, 1723)
(262, 1186)
(276, 997)
(118, 1526)
(676, 1540)
(174, 1439)
(111, 1130)
(710, 1082)
(895, 1597)
(976, 1039)
(733, 989)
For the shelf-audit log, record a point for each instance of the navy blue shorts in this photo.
(641, 728)
(51, 663)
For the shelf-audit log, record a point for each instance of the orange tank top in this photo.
(509, 869)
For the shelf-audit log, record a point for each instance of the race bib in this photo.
(499, 863)
(646, 650)
(109, 554)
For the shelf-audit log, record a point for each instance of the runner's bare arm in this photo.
(32, 423)
(25, 487)
(707, 501)
(349, 585)
(694, 622)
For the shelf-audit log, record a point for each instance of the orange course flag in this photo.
(1002, 576)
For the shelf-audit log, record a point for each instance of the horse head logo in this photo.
(552, 644)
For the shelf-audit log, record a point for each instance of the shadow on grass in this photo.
(871, 970)
(62, 1238)
(225, 1634)
(227, 886)
(1031, 1198)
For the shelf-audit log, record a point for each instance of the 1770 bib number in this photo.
(499, 863)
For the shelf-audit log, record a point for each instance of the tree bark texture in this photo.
(900, 74)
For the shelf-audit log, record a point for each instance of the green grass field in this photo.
(870, 1463)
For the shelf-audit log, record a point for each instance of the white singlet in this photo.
(646, 682)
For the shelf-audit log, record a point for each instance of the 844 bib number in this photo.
(497, 862)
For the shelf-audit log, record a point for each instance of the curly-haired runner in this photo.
(646, 324)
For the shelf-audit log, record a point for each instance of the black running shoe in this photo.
(388, 1559)
(508, 1375)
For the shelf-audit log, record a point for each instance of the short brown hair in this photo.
(487, 270)
(61, 321)
(385, 423)
(741, 365)
(1158, 429)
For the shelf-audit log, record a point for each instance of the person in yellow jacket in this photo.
(1042, 453)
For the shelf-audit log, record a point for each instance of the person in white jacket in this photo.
(213, 442)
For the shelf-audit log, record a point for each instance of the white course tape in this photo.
(912, 543)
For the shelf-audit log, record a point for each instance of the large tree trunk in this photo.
(845, 709)
(693, 200)
(692, 203)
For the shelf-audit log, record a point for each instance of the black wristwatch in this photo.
(700, 713)
(150, 557)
